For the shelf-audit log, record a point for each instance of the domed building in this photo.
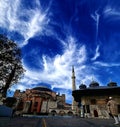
(41, 100)
(92, 100)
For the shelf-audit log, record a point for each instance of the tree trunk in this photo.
(8, 82)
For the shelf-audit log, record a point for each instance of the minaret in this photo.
(74, 104)
(73, 79)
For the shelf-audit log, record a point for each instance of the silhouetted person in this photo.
(113, 109)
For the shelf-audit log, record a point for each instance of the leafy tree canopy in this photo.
(11, 69)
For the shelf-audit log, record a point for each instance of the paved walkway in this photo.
(20, 122)
(77, 122)
(55, 122)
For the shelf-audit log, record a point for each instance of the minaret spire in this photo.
(73, 88)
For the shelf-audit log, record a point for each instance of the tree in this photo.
(11, 69)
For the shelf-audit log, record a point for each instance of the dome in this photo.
(42, 88)
(94, 84)
(112, 84)
(82, 86)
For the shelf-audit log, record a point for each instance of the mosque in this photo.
(41, 100)
(44, 101)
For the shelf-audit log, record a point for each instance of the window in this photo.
(88, 108)
(35, 104)
(118, 108)
(93, 101)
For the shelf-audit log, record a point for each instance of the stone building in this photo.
(92, 100)
(41, 100)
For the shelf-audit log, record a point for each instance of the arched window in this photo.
(95, 113)
(53, 112)
(70, 113)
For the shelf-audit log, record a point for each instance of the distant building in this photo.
(41, 100)
(92, 100)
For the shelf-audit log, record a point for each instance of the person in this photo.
(113, 109)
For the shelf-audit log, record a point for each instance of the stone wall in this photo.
(97, 106)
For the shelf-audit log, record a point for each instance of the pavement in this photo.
(55, 122)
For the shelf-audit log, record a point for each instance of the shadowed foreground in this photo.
(55, 122)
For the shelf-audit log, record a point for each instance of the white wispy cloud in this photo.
(57, 71)
(110, 11)
(97, 53)
(99, 63)
(12, 12)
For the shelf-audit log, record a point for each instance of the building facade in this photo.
(41, 100)
(92, 100)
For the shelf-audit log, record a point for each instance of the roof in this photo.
(42, 88)
(94, 84)
(96, 91)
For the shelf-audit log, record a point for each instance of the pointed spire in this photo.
(110, 79)
(72, 68)
(73, 72)
(92, 79)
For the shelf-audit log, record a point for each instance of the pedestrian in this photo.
(113, 109)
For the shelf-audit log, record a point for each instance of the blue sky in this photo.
(56, 34)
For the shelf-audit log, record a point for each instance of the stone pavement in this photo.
(77, 122)
(20, 122)
(55, 122)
